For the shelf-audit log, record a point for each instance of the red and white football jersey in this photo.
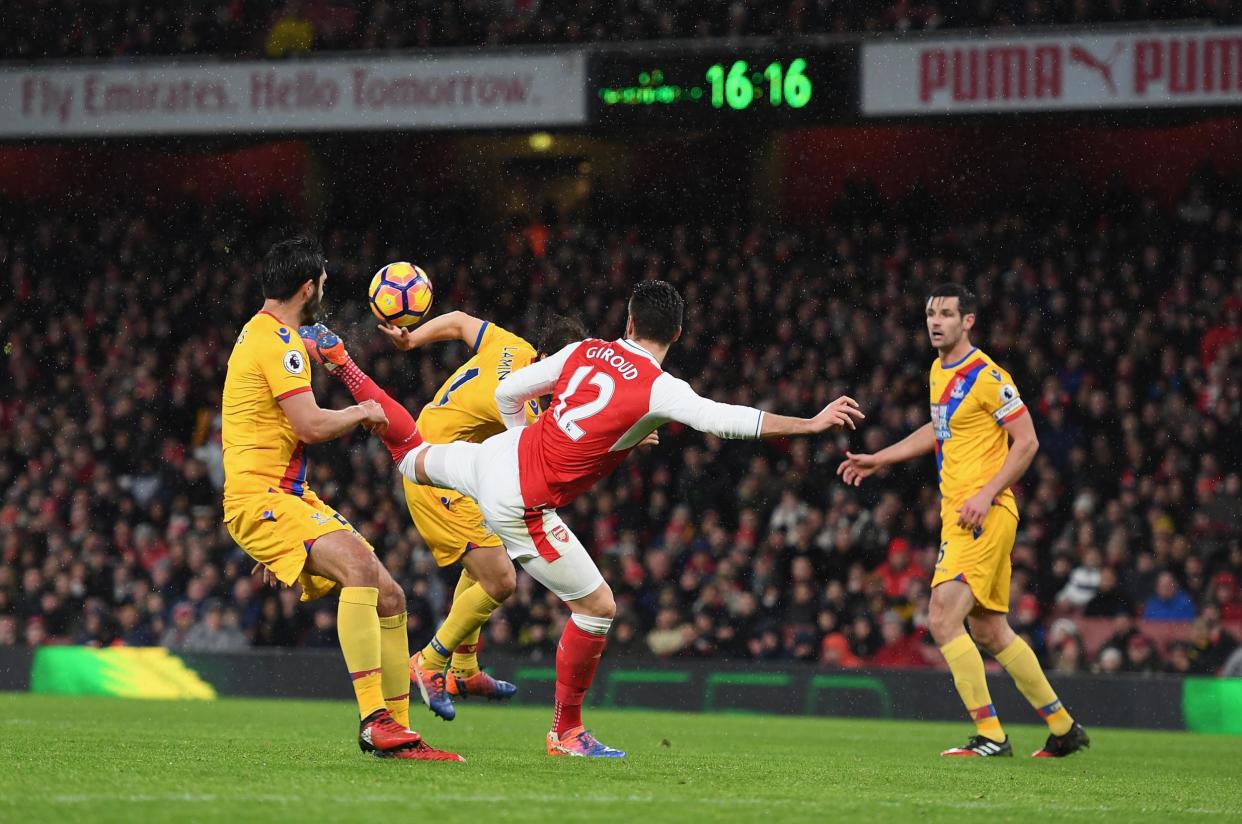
(606, 397)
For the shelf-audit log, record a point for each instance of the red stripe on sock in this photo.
(356, 675)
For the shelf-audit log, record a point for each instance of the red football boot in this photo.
(425, 752)
(378, 733)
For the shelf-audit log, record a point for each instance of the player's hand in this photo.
(841, 412)
(855, 467)
(269, 579)
(971, 514)
(652, 439)
(375, 420)
(400, 337)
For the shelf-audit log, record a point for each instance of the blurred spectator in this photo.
(1141, 656)
(132, 630)
(1211, 645)
(1084, 581)
(1170, 602)
(1065, 646)
(273, 628)
(670, 635)
(1109, 600)
(897, 571)
(1233, 666)
(1025, 622)
(1110, 661)
(1177, 657)
(8, 631)
(899, 649)
(182, 622)
(1225, 598)
(216, 631)
(322, 633)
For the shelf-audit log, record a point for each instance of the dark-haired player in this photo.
(607, 397)
(463, 409)
(269, 414)
(975, 411)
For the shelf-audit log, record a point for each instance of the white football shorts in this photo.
(535, 538)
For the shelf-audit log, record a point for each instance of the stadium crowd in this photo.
(1119, 319)
(281, 28)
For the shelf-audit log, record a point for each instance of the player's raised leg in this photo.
(343, 557)
(992, 631)
(951, 602)
(326, 348)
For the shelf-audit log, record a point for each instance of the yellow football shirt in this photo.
(261, 453)
(464, 407)
(971, 400)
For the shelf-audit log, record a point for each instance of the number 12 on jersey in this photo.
(568, 419)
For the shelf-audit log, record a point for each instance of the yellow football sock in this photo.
(466, 654)
(395, 666)
(357, 627)
(966, 664)
(1020, 662)
(472, 606)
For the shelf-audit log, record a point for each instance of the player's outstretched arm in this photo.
(672, 399)
(857, 466)
(313, 424)
(452, 326)
(842, 412)
(532, 381)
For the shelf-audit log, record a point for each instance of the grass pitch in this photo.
(101, 759)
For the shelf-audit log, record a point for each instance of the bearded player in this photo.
(463, 409)
(976, 411)
(269, 415)
(607, 398)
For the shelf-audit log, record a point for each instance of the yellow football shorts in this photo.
(449, 522)
(278, 529)
(981, 561)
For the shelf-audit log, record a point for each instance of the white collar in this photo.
(629, 344)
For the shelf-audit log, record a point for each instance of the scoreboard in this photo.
(742, 87)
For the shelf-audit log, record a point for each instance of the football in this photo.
(400, 293)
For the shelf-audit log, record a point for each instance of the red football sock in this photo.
(402, 433)
(577, 658)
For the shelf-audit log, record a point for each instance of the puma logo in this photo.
(1079, 54)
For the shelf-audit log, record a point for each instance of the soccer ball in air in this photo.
(400, 294)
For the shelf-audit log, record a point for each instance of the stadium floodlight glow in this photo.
(540, 141)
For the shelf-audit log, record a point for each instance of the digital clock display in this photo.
(764, 87)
